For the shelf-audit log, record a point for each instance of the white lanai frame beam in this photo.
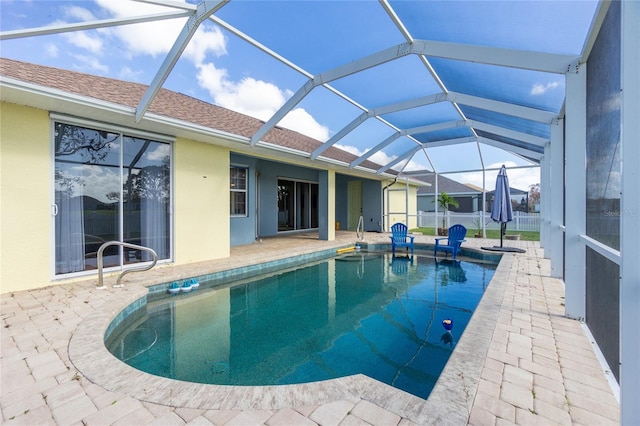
(400, 106)
(202, 12)
(524, 151)
(91, 25)
(533, 114)
(534, 141)
(456, 98)
(447, 142)
(514, 110)
(362, 64)
(408, 37)
(341, 133)
(433, 127)
(288, 63)
(535, 61)
(556, 208)
(575, 174)
(501, 131)
(398, 160)
(393, 137)
(503, 57)
(494, 56)
(630, 212)
(373, 150)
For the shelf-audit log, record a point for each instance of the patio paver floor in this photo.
(537, 367)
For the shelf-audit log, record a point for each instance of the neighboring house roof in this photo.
(475, 188)
(172, 105)
(512, 191)
(445, 184)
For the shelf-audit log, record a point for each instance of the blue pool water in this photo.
(362, 313)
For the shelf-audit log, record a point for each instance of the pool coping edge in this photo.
(450, 401)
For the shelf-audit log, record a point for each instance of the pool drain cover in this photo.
(219, 367)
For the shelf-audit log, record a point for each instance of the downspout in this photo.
(395, 179)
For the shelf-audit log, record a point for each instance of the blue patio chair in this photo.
(454, 241)
(399, 237)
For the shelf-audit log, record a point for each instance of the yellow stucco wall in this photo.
(201, 180)
(397, 200)
(201, 213)
(25, 198)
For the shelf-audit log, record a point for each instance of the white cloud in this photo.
(206, 40)
(150, 38)
(303, 122)
(161, 152)
(79, 13)
(258, 99)
(157, 38)
(82, 39)
(382, 158)
(128, 74)
(90, 63)
(98, 182)
(51, 50)
(541, 89)
(249, 96)
(86, 41)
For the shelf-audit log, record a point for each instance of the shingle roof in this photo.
(445, 184)
(168, 104)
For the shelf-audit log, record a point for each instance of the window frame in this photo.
(123, 132)
(244, 190)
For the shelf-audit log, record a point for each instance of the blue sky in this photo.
(317, 36)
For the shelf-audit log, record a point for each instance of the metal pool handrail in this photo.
(360, 229)
(128, 245)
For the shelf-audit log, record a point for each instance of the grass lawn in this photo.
(494, 234)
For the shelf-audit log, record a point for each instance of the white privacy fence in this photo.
(472, 221)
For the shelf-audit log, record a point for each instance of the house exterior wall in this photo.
(327, 205)
(467, 203)
(25, 198)
(201, 221)
(372, 205)
(397, 204)
(201, 226)
(201, 214)
(371, 202)
(270, 172)
(243, 229)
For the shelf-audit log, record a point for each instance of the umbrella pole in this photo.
(503, 225)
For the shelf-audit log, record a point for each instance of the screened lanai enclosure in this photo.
(409, 88)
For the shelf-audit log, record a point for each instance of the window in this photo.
(109, 187)
(238, 190)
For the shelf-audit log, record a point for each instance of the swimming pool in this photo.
(363, 313)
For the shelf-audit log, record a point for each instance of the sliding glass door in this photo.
(108, 187)
(297, 205)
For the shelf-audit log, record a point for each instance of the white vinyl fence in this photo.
(472, 221)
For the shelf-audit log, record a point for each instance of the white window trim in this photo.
(245, 190)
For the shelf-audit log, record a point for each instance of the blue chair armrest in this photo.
(439, 239)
